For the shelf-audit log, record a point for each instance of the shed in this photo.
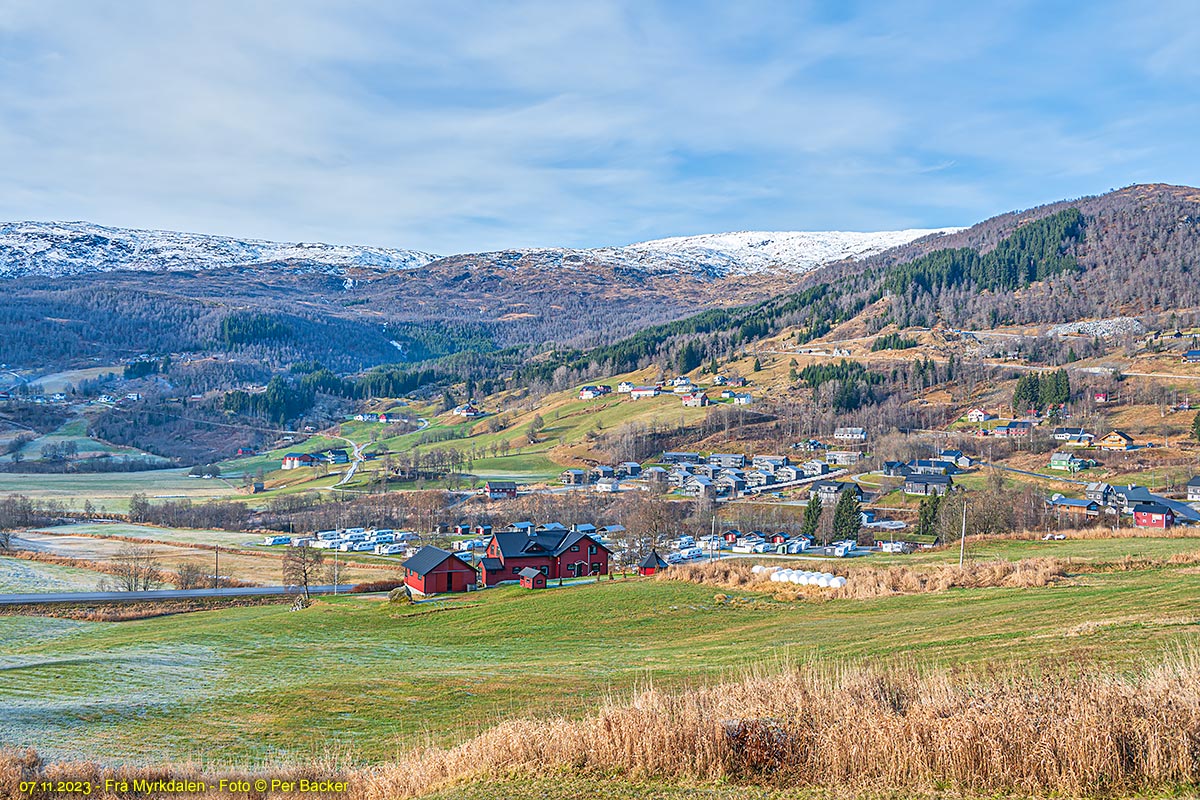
(651, 564)
(532, 578)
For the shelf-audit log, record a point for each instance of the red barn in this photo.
(532, 578)
(1152, 515)
(651, 564)
(500, 490)
(433, 570)
(555, 553)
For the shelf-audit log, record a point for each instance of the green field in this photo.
(20, 576)
(359, 676)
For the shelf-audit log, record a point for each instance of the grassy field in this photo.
(19, 576)
(356, 675)
(110, 491)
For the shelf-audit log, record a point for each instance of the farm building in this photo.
(1193, 490)
(532, 578)
(558, 553)
(652, 564)
(433, 570)
(979, 415)
(638, 392)
(297, 460)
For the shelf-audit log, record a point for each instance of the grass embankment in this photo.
(847, 728)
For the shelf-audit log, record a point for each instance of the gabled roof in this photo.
(1194, 481)
(429, 558)
(653, 561)
(529, 572)
(1151, 508)
(1071, 502)
(937, 479)
(1120, 434)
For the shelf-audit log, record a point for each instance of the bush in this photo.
(389, 585)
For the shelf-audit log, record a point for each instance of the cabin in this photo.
(779, 537)
(1193, 490)
(500, 490)
(555, 551)
(608, 485)
(469, 411)
(532, 578)
(1116, 440)
(1191, 357)
(629, 469)
(1100, 397)
(927, 485)
(743, 400)
(731, 536)
(1073, 507)
(978, 415)
(573, 477)
(433, 570)
(695, 400)
(652, 564)
(851, 435)
(727, 460)
(1153, 515)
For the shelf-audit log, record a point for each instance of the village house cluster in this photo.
(298, 460)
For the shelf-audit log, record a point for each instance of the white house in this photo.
(624, 387)
(979, 415)
(850, 435)
(638, 392)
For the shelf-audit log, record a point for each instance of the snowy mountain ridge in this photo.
(74, 248)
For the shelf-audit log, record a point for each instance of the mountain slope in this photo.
(705, 257)
(72, 248)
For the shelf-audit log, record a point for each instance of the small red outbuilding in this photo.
(532, 578)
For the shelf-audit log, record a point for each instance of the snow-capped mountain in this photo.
(74, 248)
(715, 255)
(71, 248)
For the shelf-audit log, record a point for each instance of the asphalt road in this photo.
(152, 596)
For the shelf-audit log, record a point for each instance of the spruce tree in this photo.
(847, 517)
(812, 515)
(1196, 427)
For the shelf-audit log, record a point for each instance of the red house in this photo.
(1152, 515)
(500, 490)
(555, 553)
(731, 537)
(433, 570)
(532, 578)
(651, 564)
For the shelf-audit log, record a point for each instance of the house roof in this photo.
(1119, 434)
(529, 572)
(937, 479)
(1072, 502)
(491, 564)
(653, 561)
(429, 558)
(501, 484)
(541, 543)
(1151, 508)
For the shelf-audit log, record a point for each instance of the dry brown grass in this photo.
(850, 728)
(866, 582)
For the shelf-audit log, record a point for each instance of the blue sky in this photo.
(451, 126)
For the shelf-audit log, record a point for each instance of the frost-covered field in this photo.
(20, 576)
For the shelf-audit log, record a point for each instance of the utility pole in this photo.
(335, 571)
(962, 542)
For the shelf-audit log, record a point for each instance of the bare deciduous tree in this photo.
(188, 576)
(301, 566)
(135, 570)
